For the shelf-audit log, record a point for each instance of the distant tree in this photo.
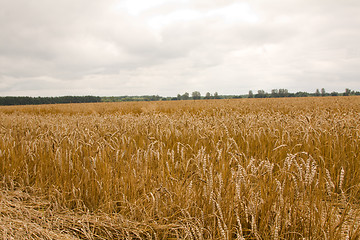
(301, 94)
(274, 93)
(196, 95)
(47, 100)
(334, 94)
(347, 92)
(323, 92)
(283, 92)
(152, 98)
(317, 92)
(216, 95)
(261, 94)
(251, 94)
(207, 95)
(186, 96)
(179, 97)
(291, 95)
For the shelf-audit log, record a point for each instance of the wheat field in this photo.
(209, 169)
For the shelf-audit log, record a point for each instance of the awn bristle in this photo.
(216, 169)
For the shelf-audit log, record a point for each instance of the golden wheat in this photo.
(216, 169)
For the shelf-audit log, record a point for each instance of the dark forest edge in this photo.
(196, 95)
(47, 100)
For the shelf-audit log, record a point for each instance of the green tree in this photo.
(186, 96)
(301, 94)
(216, 95)
(261, 94)
(283, 92)
(347, 92)
(274, 93)
(196, 95)
(207, 95)
(323, 92)
(251, 94)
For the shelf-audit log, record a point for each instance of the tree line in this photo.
(278, 93)
(47, 100)
(196, 95)
(275, 93)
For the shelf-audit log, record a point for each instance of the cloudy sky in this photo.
(166, 47)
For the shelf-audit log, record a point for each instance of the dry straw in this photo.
(234, 169)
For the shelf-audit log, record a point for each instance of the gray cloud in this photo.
(168, 47)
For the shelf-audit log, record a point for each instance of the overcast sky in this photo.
(166, 47)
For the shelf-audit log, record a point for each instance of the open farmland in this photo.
(215, 169)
